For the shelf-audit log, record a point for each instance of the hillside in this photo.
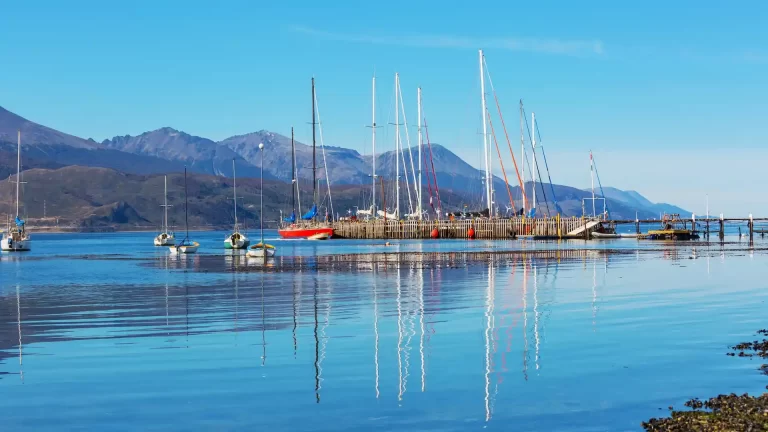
(168, 150)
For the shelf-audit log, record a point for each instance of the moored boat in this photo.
(165, 238)
(236, 240)
(186, 246)
(302, 231)
(16, 238)
(672, 228)
(599, 235)
(308, 226)
(261, 250)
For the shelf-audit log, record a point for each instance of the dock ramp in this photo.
(580, 230)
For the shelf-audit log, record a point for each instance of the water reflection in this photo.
(382, 304)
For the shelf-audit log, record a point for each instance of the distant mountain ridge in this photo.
(634, 199)
(169, 150)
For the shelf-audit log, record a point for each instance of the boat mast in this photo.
(165, 203)
(18, 172)
(533, 138)
(261, 202)
(522, 153)
(234, 186)
(397, 147)
(485, 140)
(314, 149)
(418, 186)
(373, 151)
(186, 205)
(293, 175)
(592, 175)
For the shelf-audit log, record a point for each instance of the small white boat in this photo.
(236, 240)
(165, 238)
(184, 248)
(17, 239)
(599, 235)
(628, 235)
(319, 236)
(261, 251)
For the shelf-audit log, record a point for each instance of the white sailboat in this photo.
(261, 250)
(186, 246)
(17, 239)
(165, 238)
(236, 240)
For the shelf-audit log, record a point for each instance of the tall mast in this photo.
(373, 151)
(186, 205)
(234, 186)
(522, 154)
(165, 203)
(261, 202)
(293, 174)
(397, 147)
(533, 172)
(18, 172)
(485, 140)
(314, 152)
(592, 175)
(418, 186)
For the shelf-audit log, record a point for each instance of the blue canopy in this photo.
(532, 212)
(20, 222)
(291, 218)
(311, 213)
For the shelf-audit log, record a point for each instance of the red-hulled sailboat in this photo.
(307, 227)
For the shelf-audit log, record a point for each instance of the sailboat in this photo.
(236, 240)
(17, 239)
(186, 246)
(291, 228)
(165, 238)
(261, 250)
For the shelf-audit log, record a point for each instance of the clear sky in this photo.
(671, 96)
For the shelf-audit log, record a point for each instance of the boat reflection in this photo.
(403, 293)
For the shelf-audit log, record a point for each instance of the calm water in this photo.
(104, 332)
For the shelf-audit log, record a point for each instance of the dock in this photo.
(518, 227)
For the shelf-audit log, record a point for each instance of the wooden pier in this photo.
(465, 228)
(537, 228)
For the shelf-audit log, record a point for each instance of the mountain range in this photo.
(117, 176)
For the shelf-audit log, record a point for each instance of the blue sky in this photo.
(671, 96)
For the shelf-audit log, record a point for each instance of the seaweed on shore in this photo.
(721, 413)
(724, 412)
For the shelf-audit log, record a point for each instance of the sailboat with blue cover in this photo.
(308, 226)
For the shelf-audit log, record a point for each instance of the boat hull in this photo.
(599, 235)
(261, 251)
(164, 240)
(302, 232)
(15, 246)
(184, 249)
(236, 242)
